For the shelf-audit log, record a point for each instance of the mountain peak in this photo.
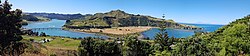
(117, 11)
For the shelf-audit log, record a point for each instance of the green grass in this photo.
(57, 42)
(95, 22)
(36, 38)
(64, 43)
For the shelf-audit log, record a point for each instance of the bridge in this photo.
(44, 28)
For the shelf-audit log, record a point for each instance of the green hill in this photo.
(230, 40)
(29, 17)
(233, 38)
(26, 17)
(118, 18)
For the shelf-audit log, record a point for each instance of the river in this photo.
(54, 23)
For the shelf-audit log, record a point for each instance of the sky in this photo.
(184, 11)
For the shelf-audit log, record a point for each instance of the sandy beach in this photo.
(116, 30)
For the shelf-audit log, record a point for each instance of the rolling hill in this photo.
(118, 18)
(230, 40)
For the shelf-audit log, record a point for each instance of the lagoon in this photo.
(55, 23)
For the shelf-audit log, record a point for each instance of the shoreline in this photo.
(115, 34)
(115, 31)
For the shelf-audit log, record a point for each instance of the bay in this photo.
(55, 23)
(180, 33)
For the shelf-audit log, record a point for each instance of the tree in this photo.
(43, 34)
(230, 40)
(85, 48)
(134, 47)
(192, 46)
(98, 47)
(10, 30)
(161, 38)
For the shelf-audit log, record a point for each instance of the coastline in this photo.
(120, 33)
(115, 31)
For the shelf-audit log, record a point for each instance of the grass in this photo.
(95, 22)
(57, 42)
(34, 37)
(58, 46)
(66, 43)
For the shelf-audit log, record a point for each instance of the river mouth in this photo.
(55, 23)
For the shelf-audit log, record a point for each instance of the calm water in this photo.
(207, 27)
(54, 23)
(178, 33)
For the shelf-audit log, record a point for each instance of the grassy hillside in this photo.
(230, 40)
(118, 18)
(26, 18)
(29, 17)
(95, 22)
(58, 46)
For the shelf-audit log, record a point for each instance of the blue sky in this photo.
(186, 11)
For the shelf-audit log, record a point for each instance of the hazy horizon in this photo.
(195, 11)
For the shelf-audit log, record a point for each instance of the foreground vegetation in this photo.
(230, 40)
(9, 31)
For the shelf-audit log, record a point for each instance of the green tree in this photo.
(43, 34)
(86, 47)
(134, 47)
(192, 46)
(230, 40)
(161, 37)
(10, 30)
(98, 47)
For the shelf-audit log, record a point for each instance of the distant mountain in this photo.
(26, 17)
(118, 18)
(57, 16)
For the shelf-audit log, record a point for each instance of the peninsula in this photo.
(118, 22)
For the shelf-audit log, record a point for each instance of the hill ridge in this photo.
(119, 18)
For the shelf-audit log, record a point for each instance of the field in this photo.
(58, 46)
